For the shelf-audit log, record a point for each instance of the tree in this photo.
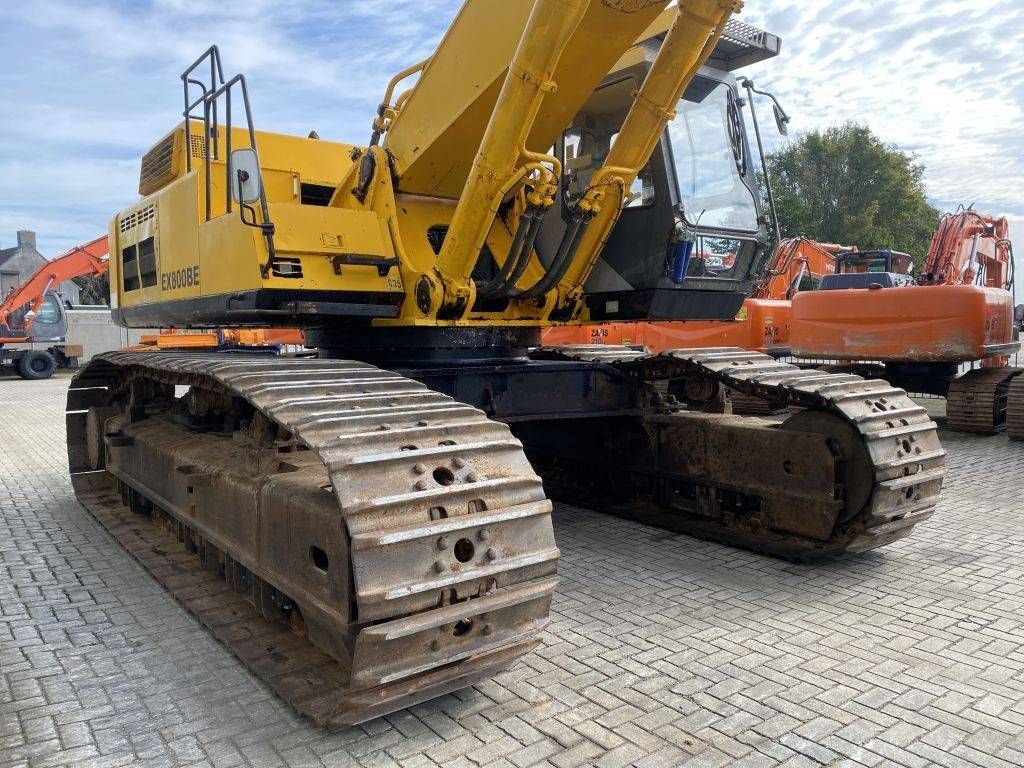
(844, 185)
(93, 289)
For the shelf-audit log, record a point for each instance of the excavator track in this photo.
(900, 463)
(977, 401)
(753, 406)
(359, 541)
(1015, 409)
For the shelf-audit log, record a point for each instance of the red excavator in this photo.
(762, 324)
(917, 333)
(33, 322)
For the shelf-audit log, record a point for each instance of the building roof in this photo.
(6, 253)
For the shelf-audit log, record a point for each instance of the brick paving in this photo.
(662, 650)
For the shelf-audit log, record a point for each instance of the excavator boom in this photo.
(967, 246)
(549, 49)
(792, 260)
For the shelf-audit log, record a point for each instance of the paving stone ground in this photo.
(662, 650)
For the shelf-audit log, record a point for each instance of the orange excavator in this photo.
(762, 324)
(32, 318)
(917, 333)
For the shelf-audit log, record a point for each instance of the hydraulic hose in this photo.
(560, 263)
(510, 280)
(515, 254)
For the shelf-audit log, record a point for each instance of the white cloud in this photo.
(939, 79)
(88, 87)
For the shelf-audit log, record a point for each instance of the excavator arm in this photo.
(792, 258)
(969, 246)
(86, 259)
(544, 80)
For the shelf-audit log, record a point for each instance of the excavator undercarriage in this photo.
(1015, 409)
(855, 466)
(405, 533)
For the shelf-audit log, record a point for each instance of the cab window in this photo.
(591, 137)
(49, 310)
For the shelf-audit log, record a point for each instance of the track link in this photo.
(434, 560)
(977, 400)
(907, 461)
(1015, 409)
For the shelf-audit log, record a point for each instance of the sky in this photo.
(87, 86)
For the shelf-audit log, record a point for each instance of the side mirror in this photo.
(244, 175)
(781, 119)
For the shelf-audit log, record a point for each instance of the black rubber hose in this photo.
(494, 285)
(559, 265)
(509, 283)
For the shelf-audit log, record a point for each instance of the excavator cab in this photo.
(698, 189)
(49, 323)
(868, 269)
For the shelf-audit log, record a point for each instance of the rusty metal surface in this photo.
(438, 558)
(754, 406)
(1015, 409)
(904, 460)
(977, 400)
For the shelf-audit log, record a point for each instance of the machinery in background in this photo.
(762, 324)
(385, 501)
(877, 319)
(33, 322)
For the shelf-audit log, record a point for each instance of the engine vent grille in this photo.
(136, 218)
(197, 145)
(157, 166)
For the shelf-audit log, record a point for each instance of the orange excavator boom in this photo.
(792, 259)
(969, 247)
(88, 259)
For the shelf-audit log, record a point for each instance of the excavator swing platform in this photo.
(370, 529)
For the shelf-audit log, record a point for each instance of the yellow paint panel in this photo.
(230, 255)
(178, 242)
(316, 229)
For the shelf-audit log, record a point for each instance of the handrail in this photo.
(216, 75)
(386, 111)
(210, 94)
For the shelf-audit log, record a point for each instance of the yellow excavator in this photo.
(369, 529)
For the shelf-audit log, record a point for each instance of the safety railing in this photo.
(207, 96)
